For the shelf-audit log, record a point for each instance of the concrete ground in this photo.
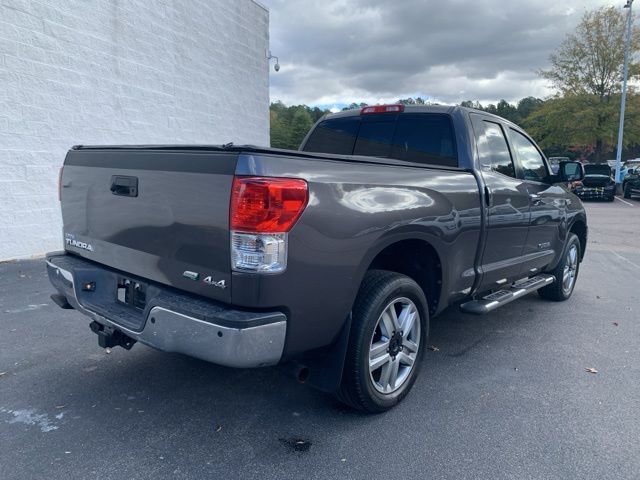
(504, 396)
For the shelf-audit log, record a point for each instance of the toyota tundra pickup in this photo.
(329, 260)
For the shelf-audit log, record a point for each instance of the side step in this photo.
(494, 300)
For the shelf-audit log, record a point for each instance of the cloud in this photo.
(339, 51)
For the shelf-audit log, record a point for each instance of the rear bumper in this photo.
(172, 321)
(589, 193)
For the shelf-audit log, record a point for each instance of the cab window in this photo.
(529, 158)
(493, 151)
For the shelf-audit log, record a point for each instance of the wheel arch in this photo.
(397, 253)
(580, 229)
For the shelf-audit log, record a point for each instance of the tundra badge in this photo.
(72, 242)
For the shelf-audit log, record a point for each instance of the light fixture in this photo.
(276, 67)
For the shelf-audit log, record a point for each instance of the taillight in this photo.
(382, 109)
(267, 205)
(60, 183)
(263, 210)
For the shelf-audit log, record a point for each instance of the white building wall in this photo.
(118, 72)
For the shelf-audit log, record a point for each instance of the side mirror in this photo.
(571, 171)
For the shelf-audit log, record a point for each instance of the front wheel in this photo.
(388, 331)
(627, 191)
(566, 272)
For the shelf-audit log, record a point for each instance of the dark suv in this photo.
(598, 183)
(632, 183)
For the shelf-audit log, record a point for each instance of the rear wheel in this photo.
(389, 328)
(627, 191)
(566, 272)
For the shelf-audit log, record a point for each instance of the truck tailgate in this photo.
(159, 215)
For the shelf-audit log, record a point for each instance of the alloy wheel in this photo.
(394, 345)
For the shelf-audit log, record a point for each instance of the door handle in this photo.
(535, 199)
(124, 186)
(487, 196)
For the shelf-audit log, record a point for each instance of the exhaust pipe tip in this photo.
(299, 372)
(303, 374)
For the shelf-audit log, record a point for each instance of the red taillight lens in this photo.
(383, 109)
(267, 205)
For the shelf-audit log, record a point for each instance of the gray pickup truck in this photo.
(329, 260)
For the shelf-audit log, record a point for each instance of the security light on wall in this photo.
(276, 67)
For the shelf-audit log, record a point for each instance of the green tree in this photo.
(289, 125)
(528, 105)
(300, 125)
(355, 106)
(412, 101)
(586, 72)
(584, 124)
(504, 109)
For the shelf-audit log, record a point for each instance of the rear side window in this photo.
(493, 150)
(415, 137)
(334, 136)
(425, 138)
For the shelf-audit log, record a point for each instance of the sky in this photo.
(335, 52)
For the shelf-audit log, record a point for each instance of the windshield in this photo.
(597, 170)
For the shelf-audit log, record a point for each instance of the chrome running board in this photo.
(497, 299)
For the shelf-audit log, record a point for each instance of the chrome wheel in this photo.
(394, 345)
(570, 270)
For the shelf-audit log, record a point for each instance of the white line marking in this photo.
(27, 308)
(624, 201)
(624, 258)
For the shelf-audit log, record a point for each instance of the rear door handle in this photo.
(535, 199)
(124, 186)
(487, 196)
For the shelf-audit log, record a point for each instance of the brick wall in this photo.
(114, 71)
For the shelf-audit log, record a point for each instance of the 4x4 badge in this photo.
(220, 284)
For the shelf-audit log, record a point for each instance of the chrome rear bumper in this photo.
(239, 339)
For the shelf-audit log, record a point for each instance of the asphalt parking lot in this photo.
(504, 396)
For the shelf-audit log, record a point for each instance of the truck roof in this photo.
(407, 109)
(448, 109)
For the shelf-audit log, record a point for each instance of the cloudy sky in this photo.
(334, 52)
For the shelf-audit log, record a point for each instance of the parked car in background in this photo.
(598, 183)
(554, 163)
(629, 167)
(631, 185)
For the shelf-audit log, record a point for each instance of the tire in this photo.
(561, 290)
(627, 191)
(372, 326)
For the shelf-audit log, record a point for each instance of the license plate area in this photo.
(132, 293)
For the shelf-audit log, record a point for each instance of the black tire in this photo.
(557, 291)
(611, 198)
(627, 191)
(380, 290)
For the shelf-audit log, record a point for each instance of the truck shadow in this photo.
(166, 401)
(145, 383)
